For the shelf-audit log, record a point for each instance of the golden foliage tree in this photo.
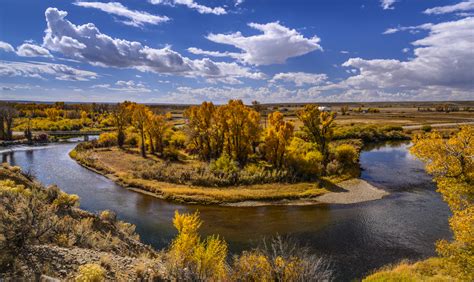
(191, 258)
(158, 128)
(121, 117)
(231, 128)
(451, 162)
(277, 137)
(243, 127)
(140, 118)
(200, 129)
(317, 126)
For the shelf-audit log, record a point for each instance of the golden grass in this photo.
(432, 269)
(121, 164)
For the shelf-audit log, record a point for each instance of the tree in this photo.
(52, 113)
(140, 119)
(451, 162)
(200, 130)
(317, 126)
(243, 127)
(7, 114)
(158, 128)
(121, 117)
(277, 137)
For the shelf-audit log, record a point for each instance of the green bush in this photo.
(224, 165)
(370, 133)
(426, 128)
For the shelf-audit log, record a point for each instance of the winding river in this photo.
(357, 238)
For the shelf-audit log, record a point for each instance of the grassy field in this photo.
(390, 113)
(121, 165)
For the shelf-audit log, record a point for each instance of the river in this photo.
(356, 238)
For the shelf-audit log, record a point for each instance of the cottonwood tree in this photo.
(140, 119)
(277, 137)
(158, 128)
(200, 129)
(243, 127)
(451, 162)
(121, 116)
(317, 126)
(7, 115)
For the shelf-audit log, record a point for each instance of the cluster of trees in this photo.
(232, 135)
(152, 128)
(451, 162)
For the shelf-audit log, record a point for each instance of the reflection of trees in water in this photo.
(391, 144)
(8, 157)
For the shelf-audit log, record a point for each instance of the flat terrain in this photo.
(120, 165)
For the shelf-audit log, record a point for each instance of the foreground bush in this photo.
(31, 214)
(192, 259)
(91, 273)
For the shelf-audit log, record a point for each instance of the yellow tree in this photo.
(317, 126)
(121, 118)
(451, 162)
(277, 137)
(199, 128)
(140, 119)
(52, 113)
(158, 128)
(242, 129)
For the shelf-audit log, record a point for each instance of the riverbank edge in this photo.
(344, 194)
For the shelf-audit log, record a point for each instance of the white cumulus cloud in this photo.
(41, 69)
(32, 50)
(4, 46)
(192, 5)
(87, 43)
(134, 18)
(460, 7)
(275, 45)
(300, 78)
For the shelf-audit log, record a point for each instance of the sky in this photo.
(189, 51)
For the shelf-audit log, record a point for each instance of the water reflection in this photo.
(358, 237)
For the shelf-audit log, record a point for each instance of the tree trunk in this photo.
(142, 145)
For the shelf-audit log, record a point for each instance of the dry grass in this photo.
(121, 164)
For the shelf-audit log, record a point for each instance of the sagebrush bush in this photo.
(90, 273)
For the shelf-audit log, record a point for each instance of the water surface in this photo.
(357, 238)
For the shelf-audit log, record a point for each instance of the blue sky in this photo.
(188, 51)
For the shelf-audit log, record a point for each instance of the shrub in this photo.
(107, 139)
(304, 159)
(346, 155)
(190, 258)
(178, 139)
(108, 216)
(426, 128)
(171, 154)
(224, 165)
(66, 201)
(90, 273)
